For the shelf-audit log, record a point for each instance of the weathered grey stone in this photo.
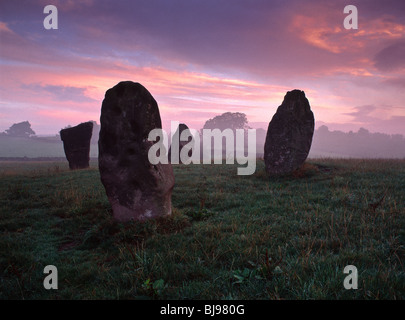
(76, 143)
(289, 135)
(136, 189)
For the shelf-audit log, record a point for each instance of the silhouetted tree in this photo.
(21, 129)
(323, 130)
(363, 132)
(228, 120)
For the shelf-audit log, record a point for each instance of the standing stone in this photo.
(76, 143)
(289, 135)
(182, 127)
(136, 189)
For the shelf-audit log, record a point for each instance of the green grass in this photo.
(230, 236)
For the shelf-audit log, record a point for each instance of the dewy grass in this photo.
(229, 237)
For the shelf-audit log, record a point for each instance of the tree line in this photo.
(347, 144)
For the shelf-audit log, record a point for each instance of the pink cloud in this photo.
(4, 27)
(197, 70)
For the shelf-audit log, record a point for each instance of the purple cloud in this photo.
(391, 57)
(277, 44)
(60, 93)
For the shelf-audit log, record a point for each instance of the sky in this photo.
(201, 58)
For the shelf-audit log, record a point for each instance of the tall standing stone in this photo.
(136, 189)
(289, 135)
(176, 137)
(76, 143)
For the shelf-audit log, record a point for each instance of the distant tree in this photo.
(398, 138)
(360, 144)
(228, 120)
(21, 129)
(323, 130)
(363, 132)
(58, 134)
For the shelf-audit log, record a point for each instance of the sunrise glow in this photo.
(204, 59)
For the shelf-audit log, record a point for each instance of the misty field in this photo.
(230, 236)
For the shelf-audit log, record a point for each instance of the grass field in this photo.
(230, 236)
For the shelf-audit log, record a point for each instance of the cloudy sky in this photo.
(200, 58)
